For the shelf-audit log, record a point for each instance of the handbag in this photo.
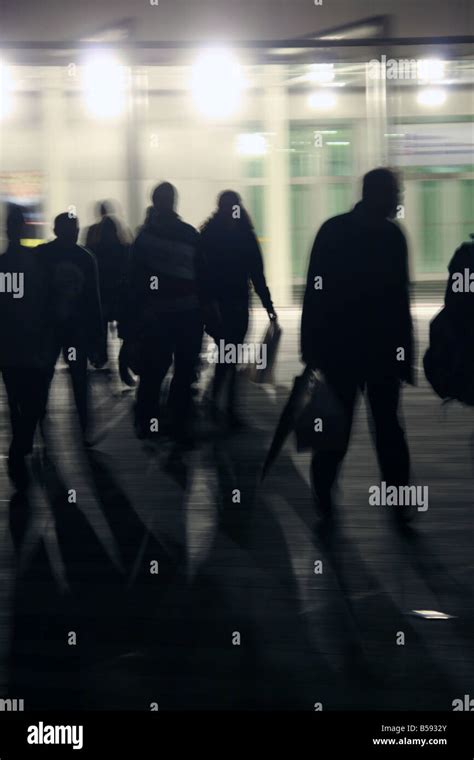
(322, 423)
(270, 344)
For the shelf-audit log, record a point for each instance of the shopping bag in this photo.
(322, 424)
(269, 351)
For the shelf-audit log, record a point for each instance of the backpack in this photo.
(448, 362)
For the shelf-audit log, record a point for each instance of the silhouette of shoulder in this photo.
(463, 258)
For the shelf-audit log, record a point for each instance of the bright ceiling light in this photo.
(6, 88)
(431, 96)
(321, 73)
(103, 79)
(322, 100)
(252, 144)
(430, 70)
(217, 83)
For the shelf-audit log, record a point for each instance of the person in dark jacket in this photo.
(356, 325)
(109, 241)
(233, 259)
(459, 296)
(163, 320)
(77, 311)
(25, 341)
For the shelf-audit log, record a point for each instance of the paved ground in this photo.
(227, 570)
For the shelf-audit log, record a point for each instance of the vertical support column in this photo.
(134, 210)
(277, 206)
(54, 152)
(451, 203)
(375, 153)
(3, 129)
(411, 225)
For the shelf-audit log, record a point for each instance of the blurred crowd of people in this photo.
(171, 283)
(162, 289)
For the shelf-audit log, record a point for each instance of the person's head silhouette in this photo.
(105, 208)
(15, 224)
(381, 192)
(164, 197)
(227, 201)
(231, 210)
(66, 228)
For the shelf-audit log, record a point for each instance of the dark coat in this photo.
(359, 318)
(166, 249)
(234, 260)
(26, 329)
(107, 241)
(460, 305)
(74, 287)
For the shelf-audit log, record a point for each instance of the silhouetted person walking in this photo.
(163, 322)
(26, 344)
(233, 259)
(459, 296)
(109, 241)
(76, 307)
(356, 325)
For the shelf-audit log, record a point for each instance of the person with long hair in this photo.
(230, 248)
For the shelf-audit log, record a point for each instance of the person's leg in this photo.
(11, 386)
(220, 374)
(325, 464)
(25, 401)
(187, 347)
(105, 332)
(32, 385)
(48, 379)
(239, 326)
(155, 362)
(78, 371)
(389, 436)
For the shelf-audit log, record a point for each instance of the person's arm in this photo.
(125, 308)
(257, 276)
(93, 306)
(202, 272)
(312, 328)
(210, 308)
(406, 322)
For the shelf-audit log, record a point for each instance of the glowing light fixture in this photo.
(430, 70)
(431, 97)
(252, 144)
(322, 100)
(217, 82)
(321, 73)
(104, 86)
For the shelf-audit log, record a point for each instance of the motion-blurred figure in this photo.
(76, 308)
(109, 240)
(356, 325)
(233, 259)
(459, 297)
(26, 344)
(449, 359)
(163, 322)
